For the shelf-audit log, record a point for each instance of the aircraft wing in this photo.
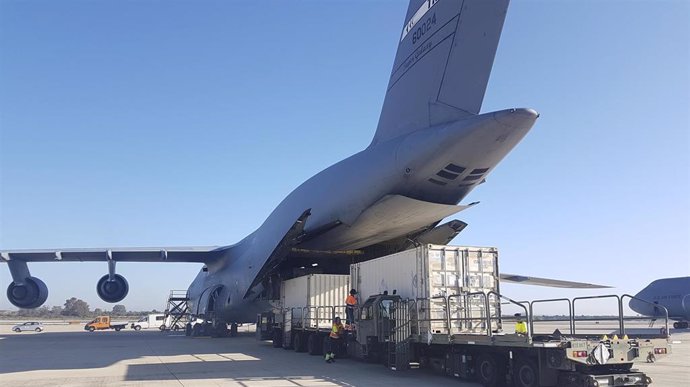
(200, 254)
(553, 283)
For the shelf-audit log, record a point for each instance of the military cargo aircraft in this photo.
(671, 293)
(431, 148)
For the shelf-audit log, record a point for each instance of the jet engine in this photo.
(112, 288)
(31, 292)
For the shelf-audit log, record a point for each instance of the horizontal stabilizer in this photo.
(553, 283)
(124, 254)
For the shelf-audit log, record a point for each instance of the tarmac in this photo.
(66, 355)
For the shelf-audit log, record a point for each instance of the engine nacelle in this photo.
(31, 293)
(112, 290)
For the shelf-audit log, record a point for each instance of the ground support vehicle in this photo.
(103, 323)
(441, 307)
(149, 321)
(306, 329)
(304, 315)
(389, 330)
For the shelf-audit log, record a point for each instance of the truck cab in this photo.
(374, 324)
(100, 322)
(103, 322)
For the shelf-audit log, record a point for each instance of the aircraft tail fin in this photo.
(443, 64)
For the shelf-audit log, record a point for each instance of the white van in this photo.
(149, 321)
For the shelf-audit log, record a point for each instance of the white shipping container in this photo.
(436, 270)
(315, 290)
(315, 298)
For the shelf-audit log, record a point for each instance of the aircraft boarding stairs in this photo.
(177, 309)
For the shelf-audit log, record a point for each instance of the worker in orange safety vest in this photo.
(350, 304)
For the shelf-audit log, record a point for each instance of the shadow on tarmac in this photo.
(154, 356)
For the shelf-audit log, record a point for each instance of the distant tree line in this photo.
(73, 308)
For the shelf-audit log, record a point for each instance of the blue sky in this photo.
(144, 124)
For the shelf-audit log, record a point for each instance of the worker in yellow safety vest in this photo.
(334, 339)
(520, 325)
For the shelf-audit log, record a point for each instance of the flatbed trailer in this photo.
(495, 355)
(305, 329)
(445, 311)
(387, 330)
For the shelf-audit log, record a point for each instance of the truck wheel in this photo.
(288, 340)
(137, 327)
(91, 329)
(300, 342)
(162, 327)
(525, 372)
(325, 345)
(277, 339)
(314, 344)
(117, 329)
(490, 370)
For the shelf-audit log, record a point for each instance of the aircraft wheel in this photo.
(220, 329)
(490, 370)
(525, 372)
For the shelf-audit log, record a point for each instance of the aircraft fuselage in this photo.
(671, 293)
(341, 192)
